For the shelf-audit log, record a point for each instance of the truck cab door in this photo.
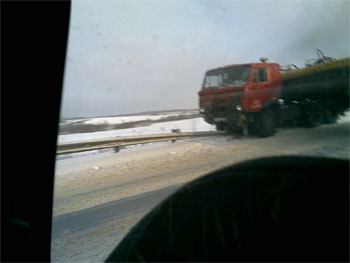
(260, 89)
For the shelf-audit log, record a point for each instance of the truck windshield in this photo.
(213, 79)
(237, 76)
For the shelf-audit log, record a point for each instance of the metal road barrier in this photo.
(83, 146)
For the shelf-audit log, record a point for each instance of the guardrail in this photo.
(84, 146)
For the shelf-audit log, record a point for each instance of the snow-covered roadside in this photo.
(189, 125)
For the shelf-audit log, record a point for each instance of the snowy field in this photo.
(188, 125)
(126, 119)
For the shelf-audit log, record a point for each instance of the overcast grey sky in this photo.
(132, 56)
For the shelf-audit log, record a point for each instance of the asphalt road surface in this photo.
(84, 219)
(99, 197)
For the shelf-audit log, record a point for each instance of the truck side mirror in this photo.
(263, 75)
(260, 75)
(255, 77)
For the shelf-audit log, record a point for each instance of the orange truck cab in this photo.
(230, 93)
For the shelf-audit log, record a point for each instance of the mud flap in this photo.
(243, 124)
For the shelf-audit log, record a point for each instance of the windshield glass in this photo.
(153, 99)
(213, 79)
(236, 76)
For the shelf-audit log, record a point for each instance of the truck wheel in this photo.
(266, 123)
(313, 117)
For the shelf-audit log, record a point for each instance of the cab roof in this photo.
(240, 65)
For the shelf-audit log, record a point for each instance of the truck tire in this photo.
(313, 116)
(221, 126)
(266, 123)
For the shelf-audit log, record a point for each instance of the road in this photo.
(84, 219)
(99, 197)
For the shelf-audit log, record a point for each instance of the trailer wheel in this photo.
(266, 123)
(329, 117)
(313, 116)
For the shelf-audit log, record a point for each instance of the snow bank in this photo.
(71, 121)
(124, 119)
(345, 118)
(189, 125)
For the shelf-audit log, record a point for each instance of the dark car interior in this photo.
(271, 209)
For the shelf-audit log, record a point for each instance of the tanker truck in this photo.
(261, 97)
